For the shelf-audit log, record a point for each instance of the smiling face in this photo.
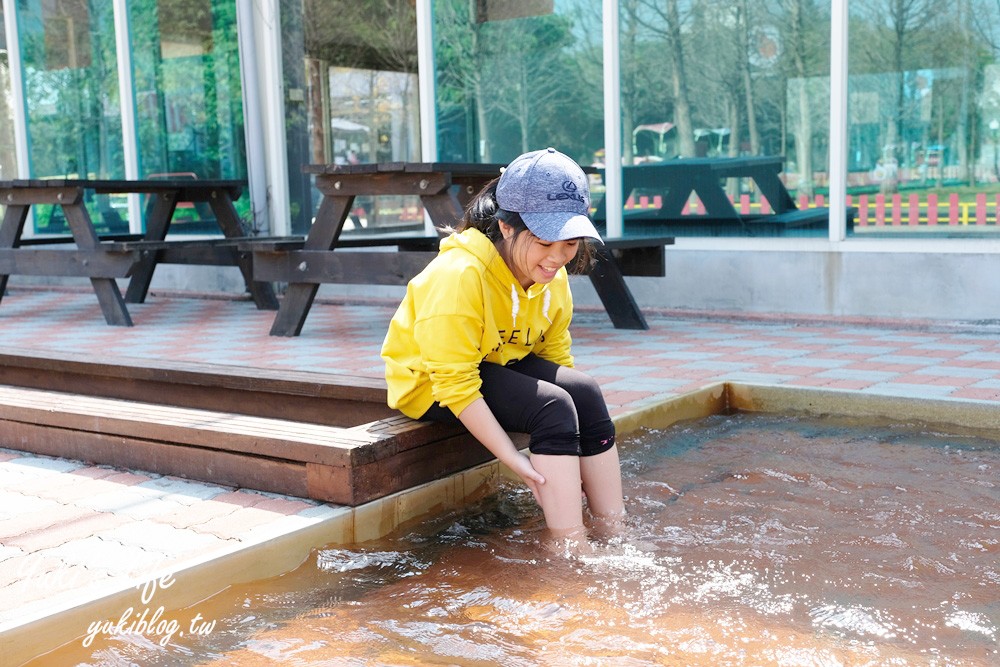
(533, 260)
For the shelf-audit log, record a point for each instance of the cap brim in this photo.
(560, 226)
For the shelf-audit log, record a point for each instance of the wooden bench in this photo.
(63, 239)
(326, 437)
(790, 222)
(799, 218)
(288, 260)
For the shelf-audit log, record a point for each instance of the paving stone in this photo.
(107, 554)
(135, 502)
(16, 504)
(40, 466)
(8, 551)
(54, 535)
(28, 566)
(39, 519)
(239, 524)
(184, 491)
(161, 539)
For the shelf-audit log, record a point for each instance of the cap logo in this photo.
(570, 193)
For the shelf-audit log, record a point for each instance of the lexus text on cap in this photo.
(551, 194)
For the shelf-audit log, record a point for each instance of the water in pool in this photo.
(753, 539)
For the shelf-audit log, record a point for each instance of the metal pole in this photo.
(838, 121)
(126, 102)
(19, 106)
(267, 19)
(426, 90)
(612, 121)
(425, 81)
(253, 125)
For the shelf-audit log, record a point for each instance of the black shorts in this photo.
(561, 408)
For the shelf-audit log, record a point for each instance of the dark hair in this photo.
(483, 213)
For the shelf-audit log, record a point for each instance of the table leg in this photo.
(159, 212)
(106, 289)
(444, 209)
(676, 197)
(773, 189)
(607, 278)
(229, 222)
(322, 235)
(10, 231)
(714, 197)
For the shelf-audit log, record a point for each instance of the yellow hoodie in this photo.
(466, 307)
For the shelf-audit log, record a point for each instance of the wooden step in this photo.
(344, 465)
(321, 398)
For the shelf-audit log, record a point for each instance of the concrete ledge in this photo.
(66, 618)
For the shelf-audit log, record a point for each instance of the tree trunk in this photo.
(748, 80)
(682, 107)
(803, 138)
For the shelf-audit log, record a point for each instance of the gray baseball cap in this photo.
(550, 192)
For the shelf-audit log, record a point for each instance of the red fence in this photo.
(877, 210)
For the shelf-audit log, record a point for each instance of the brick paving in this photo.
(67, 525)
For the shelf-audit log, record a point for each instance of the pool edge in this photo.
(202, 577)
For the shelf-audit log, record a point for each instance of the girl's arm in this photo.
(479, 419)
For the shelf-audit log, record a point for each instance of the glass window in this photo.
(518, 76)
(188, 95)
(70, 72)
(351, 97)
(725, 117)
(8, 158)
(71, 88)
(924, 118)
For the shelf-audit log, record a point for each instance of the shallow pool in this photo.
(753, 539)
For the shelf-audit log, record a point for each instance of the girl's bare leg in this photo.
(560, 495)
(602, 483)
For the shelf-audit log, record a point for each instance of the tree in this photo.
(667, 23)
(803, 46)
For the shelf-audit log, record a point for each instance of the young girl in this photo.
(482, 338)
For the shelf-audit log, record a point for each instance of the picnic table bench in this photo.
(444, 189)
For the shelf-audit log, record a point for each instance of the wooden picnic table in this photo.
(444, 189)
(102, 259)
(91, 258)
(674, 181)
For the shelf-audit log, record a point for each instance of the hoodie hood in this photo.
(479, 246)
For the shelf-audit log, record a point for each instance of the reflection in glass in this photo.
(513, 77)
(188, 96)
(70, 73)
(725, 82)
(351, 97)
(187, 82)
(924, 118)
(71, 88)
(8, 158)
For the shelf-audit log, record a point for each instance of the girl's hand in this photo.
(522, 467)
(483, 425)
